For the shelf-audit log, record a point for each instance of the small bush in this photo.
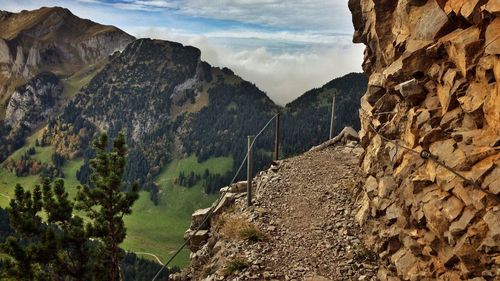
(251, 233)
(239, 228)
(235, 265)
(362, 252)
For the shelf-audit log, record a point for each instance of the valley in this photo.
(156, 229)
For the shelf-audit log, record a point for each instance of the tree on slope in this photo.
(55, 248)
(52, 243)
(106, 203)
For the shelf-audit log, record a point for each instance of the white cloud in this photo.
(299, 49)
(292, 14)
(284, 14)
(283, 75)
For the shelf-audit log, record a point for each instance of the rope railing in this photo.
(427, 155)
(214, 205)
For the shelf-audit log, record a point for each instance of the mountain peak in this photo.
(50, 23)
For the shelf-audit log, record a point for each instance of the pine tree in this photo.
(57, 248)
(106, 204)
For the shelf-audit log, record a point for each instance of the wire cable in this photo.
(427, 155)
(214, 206)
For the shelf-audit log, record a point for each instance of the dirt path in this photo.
(5, 195)
(151, 255)
(306, 210)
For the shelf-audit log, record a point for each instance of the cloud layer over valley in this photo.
(285, 47)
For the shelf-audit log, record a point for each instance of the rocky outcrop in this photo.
(33, 103)
(433, 69)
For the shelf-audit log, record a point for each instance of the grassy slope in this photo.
(153, 229)
(9, 180)
(81, 78)
(159, 229)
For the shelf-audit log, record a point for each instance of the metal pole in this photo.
(277, 138)
(249, 171)
(332, 121)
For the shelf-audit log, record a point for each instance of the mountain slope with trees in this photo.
(306, 121)
(40, 52)
(168, 103)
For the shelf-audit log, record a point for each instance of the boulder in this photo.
(197, 218)
(452, 208)
(385, 186)
(364, 210)
(459, 226)
(492, 218)
(238, 187)
(197, 240)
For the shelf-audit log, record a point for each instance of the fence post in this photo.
(332, 121)
(249, 170)
(277, 138)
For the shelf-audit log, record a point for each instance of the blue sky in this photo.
(284, 46)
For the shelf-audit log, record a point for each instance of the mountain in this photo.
(306, 121)
(169, 104)
(186, 122)
(45, 56)
(51, 39)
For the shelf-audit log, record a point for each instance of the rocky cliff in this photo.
(32, 104)
(433, 69)
(51, 39)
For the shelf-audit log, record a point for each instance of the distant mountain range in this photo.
(79, 78)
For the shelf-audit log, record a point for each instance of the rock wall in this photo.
(434, 69)
(32, 104)
(54, 40)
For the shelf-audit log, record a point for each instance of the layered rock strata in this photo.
(433, 71)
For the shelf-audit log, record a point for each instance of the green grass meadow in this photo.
(159, 229)
(156, 229)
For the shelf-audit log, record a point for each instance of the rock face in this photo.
(51, 39)
(33, 103)
(433, 69)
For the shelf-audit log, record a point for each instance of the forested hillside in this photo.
(169, 104)
(306, 121)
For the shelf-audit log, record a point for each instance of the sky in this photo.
(285, 47)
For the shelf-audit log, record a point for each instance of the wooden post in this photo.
(249, 170)
(332, 121)
(277, 138)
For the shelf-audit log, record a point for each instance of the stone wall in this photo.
(433, 67)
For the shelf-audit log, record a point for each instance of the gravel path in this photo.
(306, 210)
